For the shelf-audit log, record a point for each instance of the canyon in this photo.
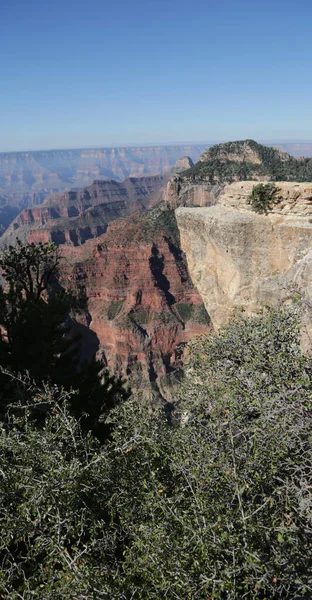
(165, 258)
(75, 216)
(27, 178)
(142, 304)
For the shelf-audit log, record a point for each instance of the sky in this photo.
(77, 73)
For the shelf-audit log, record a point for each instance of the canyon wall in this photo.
(142, 304)
(72, 217)
(27, 176)
(238, 259)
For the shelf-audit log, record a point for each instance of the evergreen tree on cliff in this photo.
(36, 316)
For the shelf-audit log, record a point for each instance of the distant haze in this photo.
(26, 178)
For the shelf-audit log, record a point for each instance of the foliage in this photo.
(53, 488)
(219, 507)
(263, 197)
(217, 169)
(212, 501)
(158, 221)
(114, 309)
(37, 336)
(193, 313)
(34, 310)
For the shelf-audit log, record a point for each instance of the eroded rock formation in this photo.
(142, 303)
(72, 217)
(238, 259)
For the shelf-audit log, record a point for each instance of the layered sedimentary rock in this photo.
(142, 304)
(7, 215)
(72, 217)
(238, 259)
(25, 174)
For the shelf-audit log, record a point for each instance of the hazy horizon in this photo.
(153, 145)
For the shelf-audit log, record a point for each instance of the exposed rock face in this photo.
(75, 216)
(72, 217)
(142, 303)
(243, 154)
(246, 151)
(240, 259)
(182, 192)
(23, 174)
(12, 204)
(183, 163)
(291, 198)
(222, 164)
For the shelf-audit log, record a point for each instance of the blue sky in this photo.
(79, 73)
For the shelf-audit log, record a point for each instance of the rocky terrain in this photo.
(176, 268)
(142, 303)
(7, 214)
(26, 178)
(234, 161)
(238, 259)
(73, 217)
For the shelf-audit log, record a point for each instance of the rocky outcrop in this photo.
(183, 163)
(222, 164)
(245, 151)
(291, 198)
(183, 192)
(238, 259)
(142, 303)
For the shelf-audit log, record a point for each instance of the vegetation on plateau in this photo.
(263, 197)
(272, 164)
(211, 501)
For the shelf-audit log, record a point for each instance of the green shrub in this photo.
(53, 491)
(184, 311)
(114, 309)
(219, 507)
(193, 313)
(212, 503)
(263, 197)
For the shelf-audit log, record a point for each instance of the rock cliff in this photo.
(142, 303)
(152, 285)
(234, 161)
(238, 259)
(72, 217)
(25, 175)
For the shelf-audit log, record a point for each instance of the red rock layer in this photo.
(142, 303)
(73, 217)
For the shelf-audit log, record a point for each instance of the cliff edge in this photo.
(239, 259)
